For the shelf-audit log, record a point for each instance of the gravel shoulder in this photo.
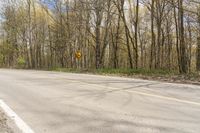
(4, 128)
(7, 125)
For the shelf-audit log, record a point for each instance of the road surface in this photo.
(53, 102)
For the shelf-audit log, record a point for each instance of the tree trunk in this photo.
(198, 54)
(152, 52)
(136, 34)
(183, 54)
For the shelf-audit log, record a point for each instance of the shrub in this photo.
(1, 59)
(21, 62)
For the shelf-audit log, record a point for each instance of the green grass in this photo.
(161, 75)
(122, 72)
(130, 72)
(63, 69)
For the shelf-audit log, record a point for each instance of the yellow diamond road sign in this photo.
(78, 54)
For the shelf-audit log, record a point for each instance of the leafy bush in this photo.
(21, 62)
(1, 59)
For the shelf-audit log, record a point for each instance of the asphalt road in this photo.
(51, 102)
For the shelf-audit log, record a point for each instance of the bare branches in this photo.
(153, 34)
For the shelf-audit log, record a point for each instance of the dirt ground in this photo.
(4, 128)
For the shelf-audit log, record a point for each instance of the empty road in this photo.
(53, 102)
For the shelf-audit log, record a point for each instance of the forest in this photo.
(127, 34)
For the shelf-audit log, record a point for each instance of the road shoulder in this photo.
(6, 124)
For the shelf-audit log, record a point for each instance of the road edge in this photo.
(23, 127)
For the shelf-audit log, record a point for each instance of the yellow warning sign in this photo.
(78, 55)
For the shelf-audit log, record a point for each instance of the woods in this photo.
(147, 34)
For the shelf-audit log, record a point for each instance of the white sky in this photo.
(0, 8)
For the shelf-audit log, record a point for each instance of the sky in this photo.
(0, 18)
(0, 12)
(48, 3)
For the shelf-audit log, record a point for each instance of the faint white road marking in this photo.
(165, 97)
(18, 121)
(142, 93)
